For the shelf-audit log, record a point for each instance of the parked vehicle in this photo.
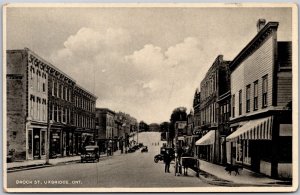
(90, 153)
(141, 145)
(131, 150)
(160, 157)
(144, 149)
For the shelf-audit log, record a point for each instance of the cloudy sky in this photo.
(143, 61)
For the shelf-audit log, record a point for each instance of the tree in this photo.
(178, 114)
(164, 126)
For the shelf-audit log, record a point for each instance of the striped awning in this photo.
(259, 129)
(207, 139)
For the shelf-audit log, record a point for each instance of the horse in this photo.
(192, 163)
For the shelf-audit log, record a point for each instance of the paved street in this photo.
(126, 170)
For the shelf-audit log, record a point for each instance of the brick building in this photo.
(105, 124)
(60, 111)
(214, 84)
(197, 113)
(27, 101)
(40, 96)
(261, 96)
(84, 117)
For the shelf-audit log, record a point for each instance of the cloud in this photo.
(148, 83)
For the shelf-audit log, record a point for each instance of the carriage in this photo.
(189, 162)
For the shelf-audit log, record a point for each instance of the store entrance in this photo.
(36, 144)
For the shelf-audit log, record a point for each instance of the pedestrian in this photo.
(121, 145)
(167, 161)
(110, 145)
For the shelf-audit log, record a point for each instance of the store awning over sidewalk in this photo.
(207, 139)
(259, 129)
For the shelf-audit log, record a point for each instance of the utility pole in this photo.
(49, 123)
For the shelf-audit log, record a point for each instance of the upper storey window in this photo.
(265, 91)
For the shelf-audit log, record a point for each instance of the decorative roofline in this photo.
(262, 35)
(51, 69)
(78, 87)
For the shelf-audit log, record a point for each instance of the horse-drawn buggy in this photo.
(186, 162)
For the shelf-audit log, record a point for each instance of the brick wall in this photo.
(16, 102)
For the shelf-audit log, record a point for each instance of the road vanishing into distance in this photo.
(136, 170)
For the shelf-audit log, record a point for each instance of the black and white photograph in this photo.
(162, 97)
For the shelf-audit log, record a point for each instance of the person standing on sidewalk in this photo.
(167, 160)
(121, 145)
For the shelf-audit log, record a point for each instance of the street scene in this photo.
(120, 170)
(195, 98)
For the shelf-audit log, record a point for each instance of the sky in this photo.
(140, 60)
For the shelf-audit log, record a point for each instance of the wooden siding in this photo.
(284, 88)
(251, 69)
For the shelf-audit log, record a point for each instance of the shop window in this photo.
(43, 143)
(239, 151)
(246, 153)
(29, 151)
(285, 150)
(248, 90)
(265, 91)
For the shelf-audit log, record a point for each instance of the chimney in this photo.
(260, 24)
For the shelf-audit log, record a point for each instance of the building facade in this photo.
(105, 122)
(197, 112)
(27, 102)
(41, 97)
(261, 96)
(60, 111)
(84, 117)
(214, 84)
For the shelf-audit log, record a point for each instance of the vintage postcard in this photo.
(150, 97)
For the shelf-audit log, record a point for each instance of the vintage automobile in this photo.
(90, 153)
(144, 149)
(160, 157)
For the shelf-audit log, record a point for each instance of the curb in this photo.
(43, 165)
(221, 182)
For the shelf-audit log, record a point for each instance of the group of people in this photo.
(181, 152)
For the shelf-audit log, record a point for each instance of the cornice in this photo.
(256, 42)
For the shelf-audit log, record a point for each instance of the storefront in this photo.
(206, 146)
(262, 145)
(55, 142)
(36, 142)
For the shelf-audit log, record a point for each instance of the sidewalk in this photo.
(33, 164)
(217, 173)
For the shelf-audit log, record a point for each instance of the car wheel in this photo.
(155, 160)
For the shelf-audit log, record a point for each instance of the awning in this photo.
(207, 139)
(259, 129)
